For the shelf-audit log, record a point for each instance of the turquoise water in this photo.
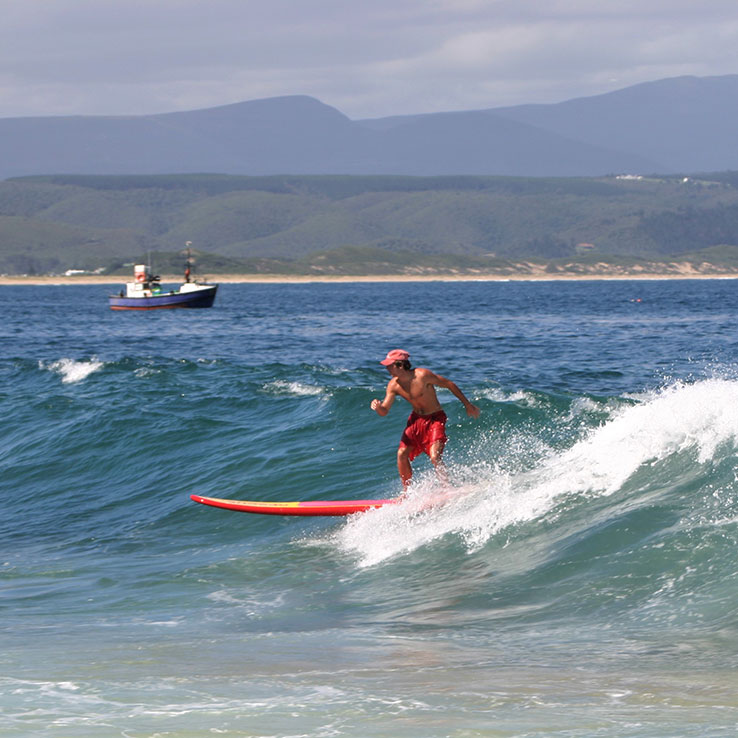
(581, 583)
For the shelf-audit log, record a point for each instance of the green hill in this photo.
(379, 224)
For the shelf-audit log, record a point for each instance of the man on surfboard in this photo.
(425, 431)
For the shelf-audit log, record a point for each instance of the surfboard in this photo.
(314, 507)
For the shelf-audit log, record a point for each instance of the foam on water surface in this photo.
(73, 370)
(700, 418)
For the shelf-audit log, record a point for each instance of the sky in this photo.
(367, 58)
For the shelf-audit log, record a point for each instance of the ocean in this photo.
(580, 582)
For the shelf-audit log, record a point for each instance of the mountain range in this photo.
(683, 124)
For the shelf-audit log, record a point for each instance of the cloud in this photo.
(365, 58)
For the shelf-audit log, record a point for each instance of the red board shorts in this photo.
(422, 431)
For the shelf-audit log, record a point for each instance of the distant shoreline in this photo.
(304, 279)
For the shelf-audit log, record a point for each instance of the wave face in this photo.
(539, 494)
(576, 577)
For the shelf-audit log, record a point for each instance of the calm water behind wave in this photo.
(582, 583)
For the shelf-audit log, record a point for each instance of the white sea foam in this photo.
(519, 396)
(298, 389)
(583, 405)
(71, 370)
(695, 418)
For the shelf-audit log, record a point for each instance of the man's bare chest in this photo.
(414, 390)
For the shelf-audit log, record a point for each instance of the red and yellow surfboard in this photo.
(316, 507)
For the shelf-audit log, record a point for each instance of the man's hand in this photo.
(472, 411)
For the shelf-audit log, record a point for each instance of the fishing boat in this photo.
(147, 293)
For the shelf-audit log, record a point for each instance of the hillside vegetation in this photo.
(359, 225)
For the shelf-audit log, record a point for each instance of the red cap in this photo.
(395, 355)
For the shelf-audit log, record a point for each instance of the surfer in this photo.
(425, 431)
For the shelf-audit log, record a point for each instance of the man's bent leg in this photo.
(403, 465)
(436, 452)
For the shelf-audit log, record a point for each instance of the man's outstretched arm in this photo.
(471, 410)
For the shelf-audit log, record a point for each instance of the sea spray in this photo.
(71, 370)
(692, 420)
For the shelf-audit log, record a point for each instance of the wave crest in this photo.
(71, 370)
(695, 424)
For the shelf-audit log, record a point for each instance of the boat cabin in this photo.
(144, 284)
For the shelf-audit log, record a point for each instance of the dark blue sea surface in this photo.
(581, 581)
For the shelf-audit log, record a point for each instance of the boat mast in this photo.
(188, 263)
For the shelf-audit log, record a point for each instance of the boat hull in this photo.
(201, 298)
